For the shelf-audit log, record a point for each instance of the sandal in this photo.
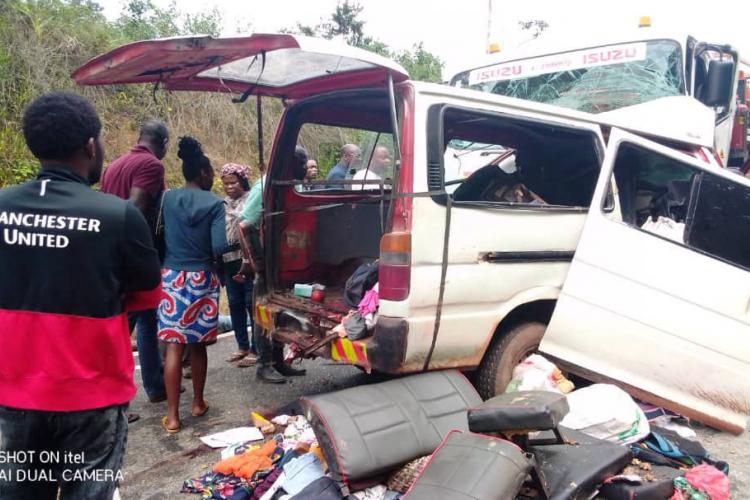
(248, 361)
(237, 356)
(164, 420)
(205, 410)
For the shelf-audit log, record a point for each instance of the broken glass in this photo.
(602, 88)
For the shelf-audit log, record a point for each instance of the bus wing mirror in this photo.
(719, 87)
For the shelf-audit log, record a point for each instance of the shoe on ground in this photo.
(267, 374)
(289, 371)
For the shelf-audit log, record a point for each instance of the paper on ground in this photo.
(232, 436)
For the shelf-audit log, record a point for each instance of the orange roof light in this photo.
(493, 48)
(644, 22)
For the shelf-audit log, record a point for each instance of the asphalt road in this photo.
(156, 464)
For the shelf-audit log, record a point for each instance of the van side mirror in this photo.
(718, 89)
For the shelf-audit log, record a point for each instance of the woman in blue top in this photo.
(194, 236)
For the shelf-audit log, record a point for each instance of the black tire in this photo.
(507, 350)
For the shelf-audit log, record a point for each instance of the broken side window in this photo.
(683, 204)
(490, 159)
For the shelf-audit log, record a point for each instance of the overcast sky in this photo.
(456, 30)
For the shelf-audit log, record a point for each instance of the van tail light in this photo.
(394, 270)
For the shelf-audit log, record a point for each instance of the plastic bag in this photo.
(606, 412)
(536, 373)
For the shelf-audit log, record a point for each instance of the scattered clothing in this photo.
(300, 472)
(355, 326)
(247, 464)
(282, 420)
(189, 310)
(362, 279)
(374, 493)
(708, 479)
(234, 436)
(684, 491)
(267, 484)
(665, 447)
(275, 487)
(323, 488)
(370, 302)
(217, 486)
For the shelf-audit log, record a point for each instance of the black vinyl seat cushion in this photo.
(519, 411)
(574, 470)
(369, 430)
(470, 466)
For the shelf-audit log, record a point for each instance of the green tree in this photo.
(345, 23)
(421, 64)
(142, 20)
(203, 23)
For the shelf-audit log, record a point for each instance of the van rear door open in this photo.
(657, 298)
(276, 65)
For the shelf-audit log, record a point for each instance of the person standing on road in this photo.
(195, 236)
(72, 262)
(239, 288)
(271, 366)
(138, 176)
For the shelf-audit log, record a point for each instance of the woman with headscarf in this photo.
(194, 236)
(239, 289)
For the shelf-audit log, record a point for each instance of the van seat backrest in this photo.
(369, 430)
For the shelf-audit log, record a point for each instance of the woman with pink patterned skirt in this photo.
(194, 235)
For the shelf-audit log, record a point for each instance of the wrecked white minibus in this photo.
(608, 242)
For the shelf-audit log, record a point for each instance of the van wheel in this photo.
(506, 351)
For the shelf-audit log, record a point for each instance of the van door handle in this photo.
(529, 256)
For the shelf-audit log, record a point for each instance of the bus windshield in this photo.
(592, 80)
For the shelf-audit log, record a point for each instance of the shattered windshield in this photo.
(588, 80)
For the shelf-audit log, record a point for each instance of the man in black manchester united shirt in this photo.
(72, 263)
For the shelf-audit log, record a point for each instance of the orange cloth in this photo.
(246, 464)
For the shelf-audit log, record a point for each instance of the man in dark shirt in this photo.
(72, 261)
(350, 156)
(138, 176)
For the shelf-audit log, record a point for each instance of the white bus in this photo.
(607, 75)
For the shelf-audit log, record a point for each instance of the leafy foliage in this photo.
(43, 41)
(345, 24)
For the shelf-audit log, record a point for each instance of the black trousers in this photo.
(268, 350)
(79, 452)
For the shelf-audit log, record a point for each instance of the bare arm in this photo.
(140, 198)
